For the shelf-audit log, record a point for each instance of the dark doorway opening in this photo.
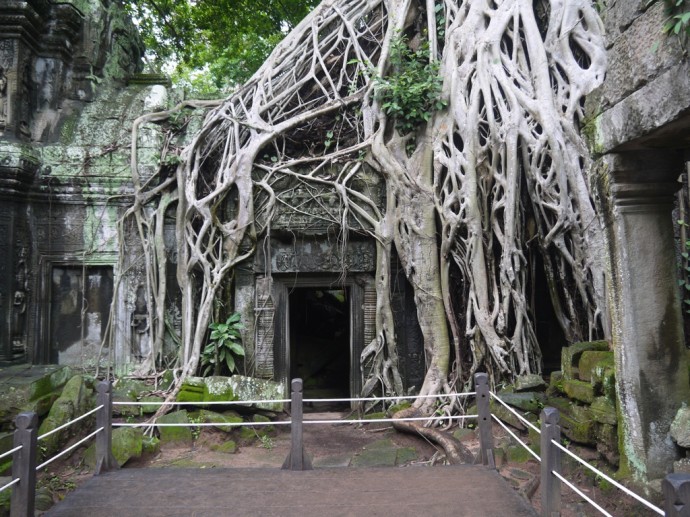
(320, 343)
(549, 333)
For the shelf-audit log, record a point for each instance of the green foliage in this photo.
(411, 91)
(211, 46)
(678, 21)
(224, 346)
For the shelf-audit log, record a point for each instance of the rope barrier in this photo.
(8, 485)
(65, 426)
(8, 453)
(199, 403)
(389, 420)
(381, 399)
(515, 437)
(69, 449)
(520, 417)
(202, 424)
(581, 493)
(609, 479)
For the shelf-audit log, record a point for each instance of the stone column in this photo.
(651, 361)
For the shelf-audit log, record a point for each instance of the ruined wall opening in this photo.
(320, 341)
(80, 299)
(549, 333)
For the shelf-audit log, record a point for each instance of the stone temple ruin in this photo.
(71, 89)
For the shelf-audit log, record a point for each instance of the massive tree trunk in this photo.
(495, 174)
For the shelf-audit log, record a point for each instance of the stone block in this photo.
(591, 360)
(576, 421)
(532, 382)
(555, 383)
(376, 455)
(604, 411)
(680, 428)
(606, 436)
(175, 434)
(125, 411)
(229, 417)
(227, 447)
(532, 402)
(503, 415)
(219, 389)
(570, 356)
(579, 390)
(192, 390)
(127, 444)
(149, 409)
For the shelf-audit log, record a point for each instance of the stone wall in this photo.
(638, 127)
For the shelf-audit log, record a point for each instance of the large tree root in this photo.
(456, 452)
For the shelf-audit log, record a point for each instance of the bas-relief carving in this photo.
(322, 256)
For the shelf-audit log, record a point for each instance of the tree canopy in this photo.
(214, 44)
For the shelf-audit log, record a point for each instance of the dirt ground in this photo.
(340, 445)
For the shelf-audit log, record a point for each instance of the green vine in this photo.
(411, 91)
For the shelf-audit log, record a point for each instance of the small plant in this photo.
(196, 431)
(678, 20)
(224, 346)
(411, 92)
(266, 442)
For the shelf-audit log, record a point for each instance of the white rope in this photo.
(5, 454)
(609, 479)
(581, 493)
(390, 420)
(381, 399)
(520, 417)
(200, 424)
(200, 403)
(13, 482)
(515, 437)
(64, 426)
(69, 449)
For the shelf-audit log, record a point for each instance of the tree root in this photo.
(456, 452)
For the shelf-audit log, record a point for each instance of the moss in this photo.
(227, 447)
(592, 360)
(175, 434)
(579, 390)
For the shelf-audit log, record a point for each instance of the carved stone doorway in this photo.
(319, 333)
(319, 340)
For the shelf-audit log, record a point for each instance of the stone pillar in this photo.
(651, 362)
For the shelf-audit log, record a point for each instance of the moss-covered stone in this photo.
(150, 445)
(219, 389)
(175, 434)
(229, 417)
(127, 444)
(606, 436)
(555, 383)
(570, 356)
(125, 411)
(150, 404)
(376, 456)
(248, 435)
(579, 390)
(192, 390)
(517, 454)
(26, 384)
(531, 382)
(578, 426)
(603, 411)
(532, 402)
(464, 434)
(132, 388)
(267, 429)
(227, 447)
(592, 360)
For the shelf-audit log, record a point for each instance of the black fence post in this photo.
(105, 460)
(676, 488)
(550, 462)
(486, 437)
(297, 458)
(24, 465)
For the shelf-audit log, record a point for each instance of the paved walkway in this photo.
(462, 490)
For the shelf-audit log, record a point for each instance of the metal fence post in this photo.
(24, 465)
(550, 462)
(676, 488)
(297, 458)
(486, 437)
(104, 418)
